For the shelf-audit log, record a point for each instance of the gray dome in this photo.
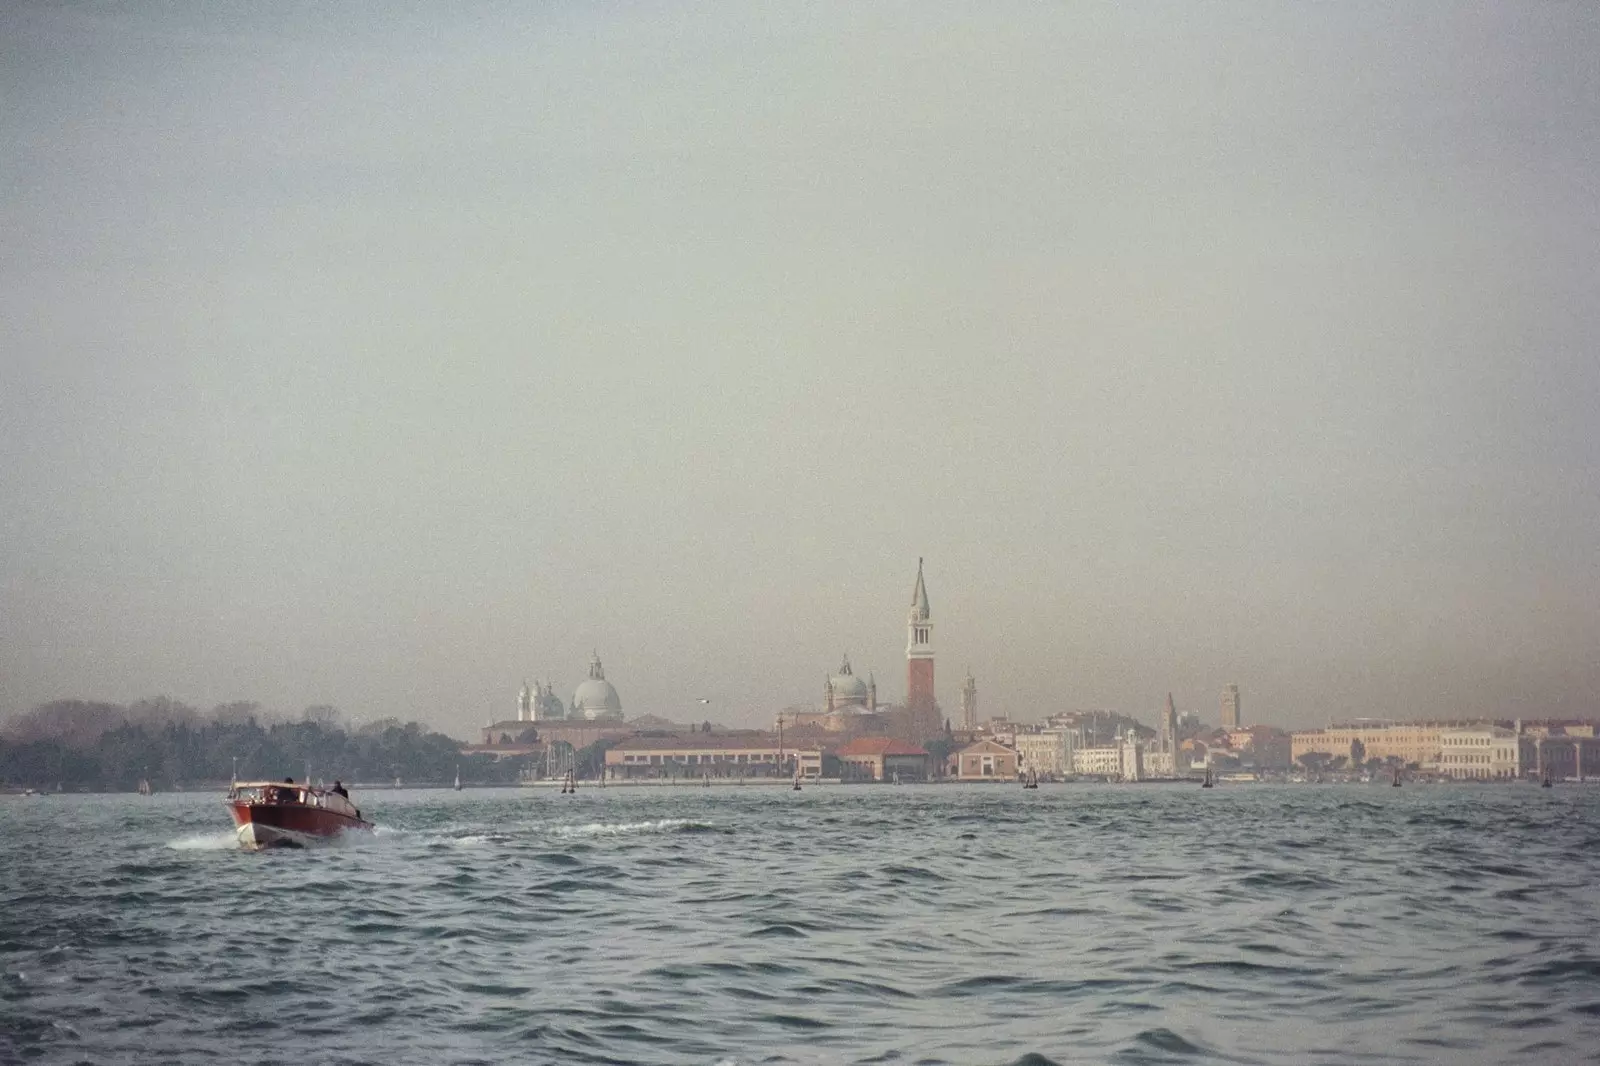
(596, 698)
(848, 688)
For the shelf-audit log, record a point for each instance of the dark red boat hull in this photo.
(269, 825)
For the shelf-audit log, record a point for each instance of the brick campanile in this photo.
(919, 651)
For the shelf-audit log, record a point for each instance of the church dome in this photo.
(596, 697)
(846, 687)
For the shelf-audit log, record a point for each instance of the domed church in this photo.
(845, 692)
(596, 699)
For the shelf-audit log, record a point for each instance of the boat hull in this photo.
(262, 825)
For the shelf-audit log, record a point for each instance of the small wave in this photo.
(1168, 1041)
(614, 829)
(224, 841)
(779, 929)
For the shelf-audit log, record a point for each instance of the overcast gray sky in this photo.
(386, 361)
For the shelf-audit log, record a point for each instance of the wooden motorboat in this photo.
(282, 814)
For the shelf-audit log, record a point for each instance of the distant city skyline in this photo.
(385, 362)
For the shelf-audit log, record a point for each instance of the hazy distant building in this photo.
(746, 753)
(986, 761)
(1411, 742)
(1230, 707)
(1048, 752)
(882, 759)
(1103, 760)
(1487, 751)
(919, 650)
(1168, 733)
(596, 699)
(969, 702)
(844, 692)
(540, 703)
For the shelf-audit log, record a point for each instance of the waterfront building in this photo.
(1159, 764)
(1101, 761)
(1412, 742)
(719, 756)
(986, 760)
(1485, 752)
(1230, 708)
(882, 759)
(1047, 753)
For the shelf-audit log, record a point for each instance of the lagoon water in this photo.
(913, 924)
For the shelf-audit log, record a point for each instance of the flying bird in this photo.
(703, 699)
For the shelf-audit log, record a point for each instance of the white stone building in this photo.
(1048, 753)
(1483, 752)
(1098, 762)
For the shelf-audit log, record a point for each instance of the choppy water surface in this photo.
(1134, 924)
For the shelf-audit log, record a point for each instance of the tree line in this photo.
(77, 745)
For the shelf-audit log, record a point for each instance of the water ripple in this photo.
(739, 926)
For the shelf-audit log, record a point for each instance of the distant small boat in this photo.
(1545, 781)
(1208, 783)
(569, 784)
(1031, 780)
(796, 787)
(1396, 777)
(144, 786)
(458, 777)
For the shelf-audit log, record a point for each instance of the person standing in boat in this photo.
(339, 789)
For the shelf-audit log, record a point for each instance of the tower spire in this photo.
(919, 656)
(919, 596)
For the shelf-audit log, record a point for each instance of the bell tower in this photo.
(919, 650)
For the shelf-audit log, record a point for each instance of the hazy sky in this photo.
(386, 362)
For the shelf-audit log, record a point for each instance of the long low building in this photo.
(1480, 754)
(712, 755)
(1411, 742)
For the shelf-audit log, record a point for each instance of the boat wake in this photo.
(226, 840)
(616, 829)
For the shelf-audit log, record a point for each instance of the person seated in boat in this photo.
(288, 780)
(339, 789)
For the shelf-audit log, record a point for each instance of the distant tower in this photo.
(1230, 707)
(872, 693)
(919, 650)
(1169, 728)
(525, 704)
(969, 702)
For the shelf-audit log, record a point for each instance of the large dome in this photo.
(848, 688)
(596, 697)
